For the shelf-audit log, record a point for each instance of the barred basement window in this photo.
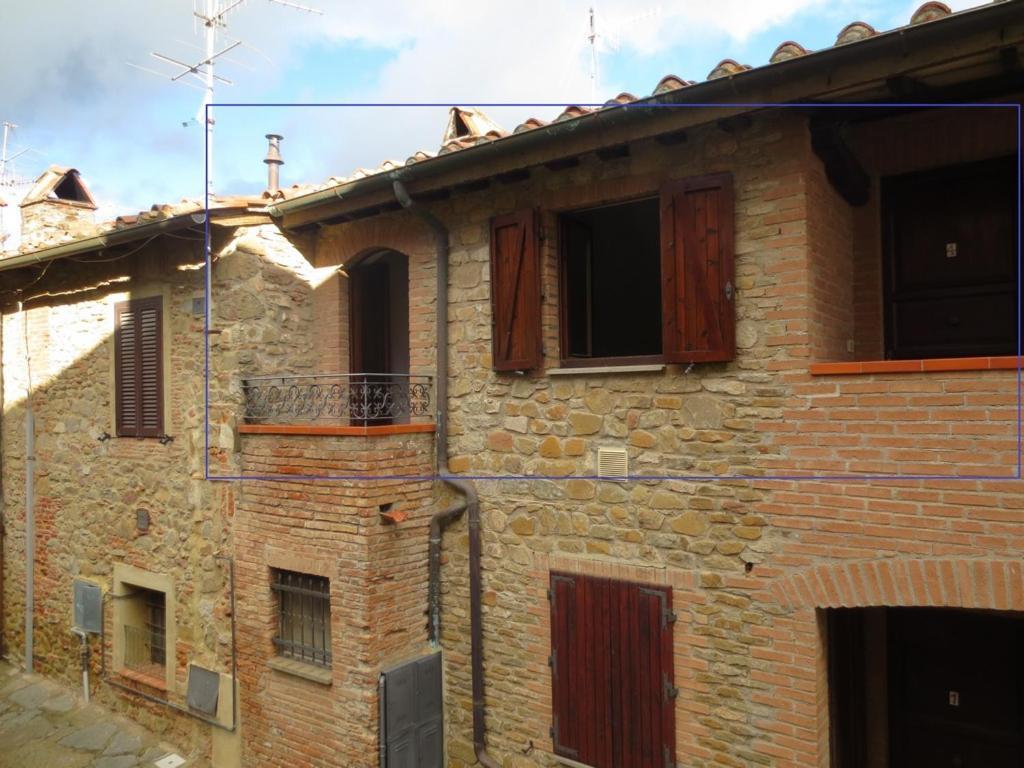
(303, 617)
(145, 638)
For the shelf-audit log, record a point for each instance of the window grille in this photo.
(145, 648)
(304, 617)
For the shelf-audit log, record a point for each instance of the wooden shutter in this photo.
(138, 366)
(515, 292)
(611, 670)
(698, 289)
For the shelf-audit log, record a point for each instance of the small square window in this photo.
(145, 633)
(303, 617)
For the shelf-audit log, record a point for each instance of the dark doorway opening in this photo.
(378, 338)
(925, 687)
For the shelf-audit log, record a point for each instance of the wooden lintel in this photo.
(842, 168)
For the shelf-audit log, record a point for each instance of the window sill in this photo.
(321, 675)
(584, 370)
(916, 366)
(335, 431)
(150, 681)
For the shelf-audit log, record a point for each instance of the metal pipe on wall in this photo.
(471, 501)
(30, 533)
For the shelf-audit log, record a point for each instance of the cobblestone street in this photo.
(45, 725)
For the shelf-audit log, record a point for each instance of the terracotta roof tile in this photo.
(930, 12)
(787, 50)
(857, 30)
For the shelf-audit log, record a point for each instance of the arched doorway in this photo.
(379, 337)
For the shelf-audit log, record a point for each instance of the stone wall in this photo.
(90, 486)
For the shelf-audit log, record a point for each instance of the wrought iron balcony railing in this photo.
(364, 399)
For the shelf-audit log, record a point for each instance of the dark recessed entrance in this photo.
(926, 687)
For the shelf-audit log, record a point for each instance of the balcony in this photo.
(338, 403)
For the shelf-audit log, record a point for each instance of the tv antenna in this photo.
(9, 181)
(608, 41)
(212, 14)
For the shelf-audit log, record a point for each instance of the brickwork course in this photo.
(753, 562)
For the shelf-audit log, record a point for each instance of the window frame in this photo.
(891, 191)
(130, 584)
(565, 361)
(287, 649)
(136, 306)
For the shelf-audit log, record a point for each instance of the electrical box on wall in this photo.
(88, 611)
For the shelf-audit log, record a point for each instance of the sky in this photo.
(67, 82)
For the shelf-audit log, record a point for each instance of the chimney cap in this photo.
(273, 149)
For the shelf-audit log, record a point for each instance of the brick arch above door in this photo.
(985, 583)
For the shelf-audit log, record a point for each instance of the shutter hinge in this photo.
(551, 661)
(671, 691)
(551, 731)
(728, 290)
(669, 763)
(669, 617)
(551, 595)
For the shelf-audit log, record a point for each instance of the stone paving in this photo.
(44, 725)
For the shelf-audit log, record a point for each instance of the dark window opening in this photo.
(950, 238)
(925, 686)
(145, 648)
(611, 281)
(70, 188)
(303, 617)
(611, 672)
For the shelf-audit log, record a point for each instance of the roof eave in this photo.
(114, 237)
(741, 84)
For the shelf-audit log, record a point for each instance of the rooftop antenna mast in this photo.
(212, 14)
(8, 179)
(595, 39)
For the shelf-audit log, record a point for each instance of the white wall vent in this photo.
(612, 463)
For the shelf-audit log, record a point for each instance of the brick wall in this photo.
(377, 573)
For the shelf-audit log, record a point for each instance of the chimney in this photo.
(58, 207)
(274, 162)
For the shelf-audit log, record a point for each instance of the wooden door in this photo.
(955, 689)
(369, 351)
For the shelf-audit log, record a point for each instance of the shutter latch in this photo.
(669, 616)
(671, 691)
(728, 290)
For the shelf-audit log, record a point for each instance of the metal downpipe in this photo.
(470, 502)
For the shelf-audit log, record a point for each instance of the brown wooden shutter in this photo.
(612, 677)
(515, 292)
(138, 367)
(698, 288)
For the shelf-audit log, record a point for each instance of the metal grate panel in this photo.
(88, 600)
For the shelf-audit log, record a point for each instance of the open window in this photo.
(611, 283)
(640, 281)
(950, 267)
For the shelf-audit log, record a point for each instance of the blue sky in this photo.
(64, 78)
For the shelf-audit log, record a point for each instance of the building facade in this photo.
(647, 437)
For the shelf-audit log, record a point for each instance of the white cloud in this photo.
(63, 75)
